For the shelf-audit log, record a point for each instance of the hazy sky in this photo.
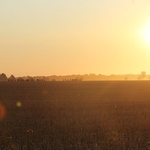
(47, 37)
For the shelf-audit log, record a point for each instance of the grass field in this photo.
(112, 115)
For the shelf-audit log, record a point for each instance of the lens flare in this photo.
(2, 111)
(18, 104)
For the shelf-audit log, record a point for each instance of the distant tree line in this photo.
(12, 78)
(76, 78)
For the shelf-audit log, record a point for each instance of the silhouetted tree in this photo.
(3, 77)
(12, 78)
(126, 77)
(143, 74)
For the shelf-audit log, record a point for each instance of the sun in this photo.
(146, 34)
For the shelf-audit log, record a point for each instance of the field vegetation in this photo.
(113, 115)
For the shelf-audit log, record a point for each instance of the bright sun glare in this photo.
(146, 34)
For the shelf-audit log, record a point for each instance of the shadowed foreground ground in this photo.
(75, 115)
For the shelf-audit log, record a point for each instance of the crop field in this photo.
(106, 115)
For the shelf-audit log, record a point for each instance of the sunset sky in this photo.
(47, 37)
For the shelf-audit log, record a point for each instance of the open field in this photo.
(75, 115)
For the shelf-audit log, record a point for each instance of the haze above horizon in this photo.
(45, 37)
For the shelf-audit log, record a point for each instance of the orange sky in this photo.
(46, 37)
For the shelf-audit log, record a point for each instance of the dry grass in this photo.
(76, 116)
